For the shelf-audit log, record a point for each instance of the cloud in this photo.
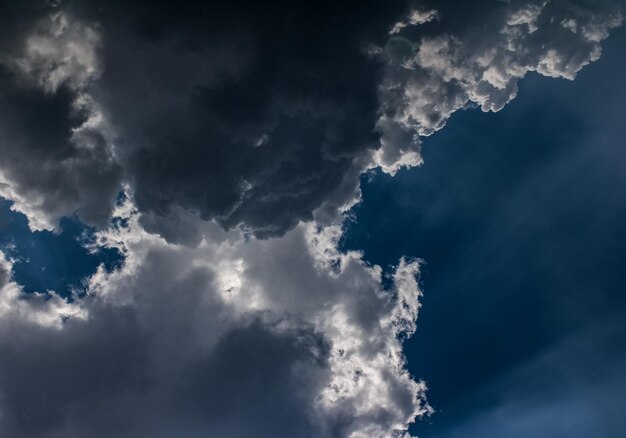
(230, 338)
(279, 110)
(415, 17)
(56, 158)
(443, 72)
(273, 111)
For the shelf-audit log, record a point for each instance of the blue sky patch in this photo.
(45, 260)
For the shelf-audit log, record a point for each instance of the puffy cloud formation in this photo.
(226, 122)
(442, 72)
(233, 337)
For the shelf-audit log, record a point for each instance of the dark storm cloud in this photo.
(234, 110)
(255, 115)
(55, 161)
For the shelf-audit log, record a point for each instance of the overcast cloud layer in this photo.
(238, 132)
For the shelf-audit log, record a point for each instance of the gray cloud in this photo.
(56, 160)
(232, 337)
(274, 111)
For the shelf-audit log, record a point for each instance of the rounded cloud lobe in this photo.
(223, 123)
(443, 72)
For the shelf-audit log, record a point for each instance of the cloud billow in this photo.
(217, 339)
(442, 72)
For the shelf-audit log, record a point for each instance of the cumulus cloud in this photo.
(442, 72)
(233, 337)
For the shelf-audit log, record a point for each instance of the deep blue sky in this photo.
(519, 216)
(50, 261)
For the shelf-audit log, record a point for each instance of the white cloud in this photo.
(528, 15)
(415, 17)
(482, 65)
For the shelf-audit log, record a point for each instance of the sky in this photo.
(315, 220)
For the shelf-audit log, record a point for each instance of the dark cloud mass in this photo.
(55, 160)
(235, 109)
(110, 377)
(228, 110)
